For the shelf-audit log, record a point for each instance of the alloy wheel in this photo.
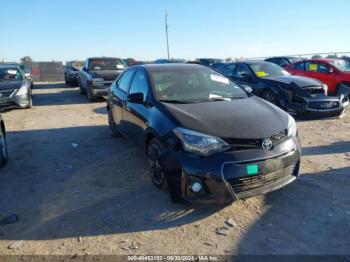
(157, 172)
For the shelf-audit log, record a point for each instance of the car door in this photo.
(83, 74)
(296, 69)
(135, 115)
(119, 92)
(320, 71)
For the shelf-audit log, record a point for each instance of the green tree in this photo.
(27, 61)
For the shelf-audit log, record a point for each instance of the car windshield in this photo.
(342, 65)
(77, 64)
(193, 85)
(268, 70)
(10, 75)
(106, 64)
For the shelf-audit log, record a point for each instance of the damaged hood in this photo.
(245, 118)
(300, 81)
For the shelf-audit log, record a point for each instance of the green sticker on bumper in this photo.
(252, 169)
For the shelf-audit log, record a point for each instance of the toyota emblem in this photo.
(267, 144)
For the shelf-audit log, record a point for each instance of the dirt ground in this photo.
(78, 190)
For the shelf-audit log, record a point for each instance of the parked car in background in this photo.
(15, 90)
(131, 62)
(3, 144)
(335, 73)
(298, 95)
(206, 138)
(71, 73)
(217, 66)
(282, 61)
(26, 72)
(97, 75)
(169, 61)
(209, 61)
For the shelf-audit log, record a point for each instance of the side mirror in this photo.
(248, 89)
(331, 71)
(136, 98)
(27, 75)
(246, 77)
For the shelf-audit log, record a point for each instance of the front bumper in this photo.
(101, 88)
(224, 176)
(9, 100)
(319, 107)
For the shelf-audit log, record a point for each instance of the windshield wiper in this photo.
(220, 99)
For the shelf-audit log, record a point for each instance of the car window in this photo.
(192, 85)
(124, 80)
(229, 70)
(298, 66)
(139, 84)
(10, 74)
(316, 67)
(242, 70)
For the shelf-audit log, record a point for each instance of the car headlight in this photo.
(325, 88)
(22, 91)
(199, 143)
(292, 127)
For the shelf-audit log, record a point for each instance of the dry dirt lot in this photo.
(95, 197)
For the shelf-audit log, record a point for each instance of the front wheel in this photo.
(269, 96)
(90, 96)
(154, 151)
(3, 149)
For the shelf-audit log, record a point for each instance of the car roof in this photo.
(104, 57)
(9, 66)
(174, 66)
(322, 60)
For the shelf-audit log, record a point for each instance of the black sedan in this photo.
(298, 95)
(15, 88)
(3, 145)
(206, 138)
(282, 61)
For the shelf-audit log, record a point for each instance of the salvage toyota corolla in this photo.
(206, 138)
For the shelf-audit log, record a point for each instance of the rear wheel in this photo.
(154, 151)
(269, 96)
(112, 124)
(342, 88)
(3, 149)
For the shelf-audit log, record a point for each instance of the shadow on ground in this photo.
(335, 148)
(97, 186)
(310, 216)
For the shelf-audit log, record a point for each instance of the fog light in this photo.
(196, 187)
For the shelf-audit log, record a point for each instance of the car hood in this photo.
(300, 81)
(107, 75)
(10, 85)
(241, 118)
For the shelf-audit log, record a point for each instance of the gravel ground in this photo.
(78, 190)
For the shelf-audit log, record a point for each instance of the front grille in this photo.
(323, 105)
(241, 144)
(7, 93)
(253, 182)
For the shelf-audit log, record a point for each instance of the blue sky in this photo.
(65, 30)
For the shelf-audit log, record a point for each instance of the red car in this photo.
(335, 73)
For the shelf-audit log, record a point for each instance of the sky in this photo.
(66, 30)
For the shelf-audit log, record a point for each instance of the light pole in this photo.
(166, 32)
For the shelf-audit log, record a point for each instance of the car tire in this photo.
(3, 149)
(269, 96)
(158, 177)
(112, 125)
(81, 88)
(340, 87)
(30, 104)
(90, 96)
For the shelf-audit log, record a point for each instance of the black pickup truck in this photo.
(97, 74)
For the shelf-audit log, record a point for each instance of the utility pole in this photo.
(166, 32)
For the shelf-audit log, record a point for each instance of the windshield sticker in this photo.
(120, 67)
(12, 72)
(260, 74)
(219, 79)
